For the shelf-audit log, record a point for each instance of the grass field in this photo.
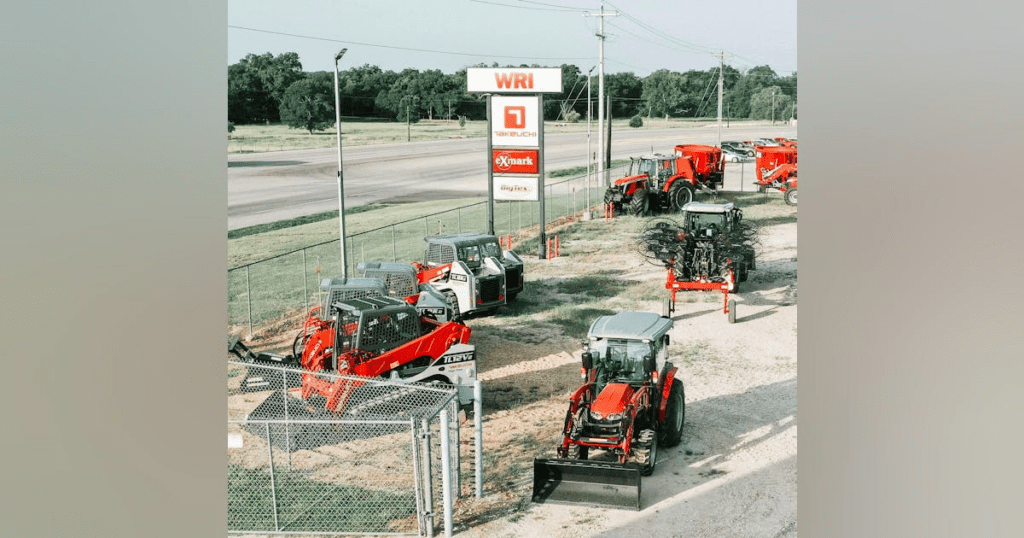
(277, 137)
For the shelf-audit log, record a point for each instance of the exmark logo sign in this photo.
(512, 161)
(515, 121)
(509, 80)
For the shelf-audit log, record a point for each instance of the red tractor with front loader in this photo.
(371, 336)
(776, 169)
(631, 402)
(664, 183)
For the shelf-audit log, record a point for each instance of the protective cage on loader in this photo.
(380, 337)
(472, 271)
(400, 280)
(661, 183)
(776, 168)
(712, 250)
(630, 404)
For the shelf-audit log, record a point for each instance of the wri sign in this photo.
(510, 80)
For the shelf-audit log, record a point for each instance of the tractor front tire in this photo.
(680, 195)
(577, 452)
(791, 197)
(645, 451)
(639, 205)
(675, 415)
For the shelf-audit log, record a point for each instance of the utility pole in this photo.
(773, 108)
(601, 172)
(721, 89)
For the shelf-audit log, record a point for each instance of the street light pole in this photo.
(341, 191)
(586, 215)
(773, 108)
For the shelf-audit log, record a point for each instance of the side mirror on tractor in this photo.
(588, 360)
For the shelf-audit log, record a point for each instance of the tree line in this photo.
(263, 88)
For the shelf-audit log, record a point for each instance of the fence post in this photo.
(426, 226)
(248, 298)
(446, 472)
(428, 493)
(305, 287)
(460, 219)
(273, 489)
(478, 432)
(394, 249)
(287, 432)
(417, 462)
(743, 165)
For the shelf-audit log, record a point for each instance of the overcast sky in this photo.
(452, 34)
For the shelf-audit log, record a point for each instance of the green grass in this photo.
(278, 137)
(301, 503)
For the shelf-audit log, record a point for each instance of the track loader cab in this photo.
(401, 280)
(463, 267)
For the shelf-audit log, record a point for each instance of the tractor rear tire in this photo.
(299, 344)
(645, 451)
(791, 197)
(680, 195)
(675, 415)
(456, 314)
(732, 311)
(639, 205)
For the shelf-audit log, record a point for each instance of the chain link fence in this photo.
(377, 465)
(287, 285)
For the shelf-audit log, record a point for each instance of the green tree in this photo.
(737, 99)
(627, 91)
(771, 102)
(665, 94)
(309, 103)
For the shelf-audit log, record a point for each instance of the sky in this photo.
(449, 35)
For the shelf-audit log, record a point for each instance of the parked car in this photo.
(765, 142)
(738, 147)
(730, 156)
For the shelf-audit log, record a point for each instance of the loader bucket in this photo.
(604, 484)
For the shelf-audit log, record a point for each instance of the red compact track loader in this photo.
(776, 169)
(367, 337)
(630, 403)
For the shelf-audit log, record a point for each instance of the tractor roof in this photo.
(697, 207)
(630, 326)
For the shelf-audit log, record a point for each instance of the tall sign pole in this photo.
(515, 144)
(341, 189)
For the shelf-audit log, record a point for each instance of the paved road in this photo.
(266, 187)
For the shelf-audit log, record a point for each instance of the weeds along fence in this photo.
(287, 285)
(388, 463)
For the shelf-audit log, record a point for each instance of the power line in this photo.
(406, 48)
(561, 8)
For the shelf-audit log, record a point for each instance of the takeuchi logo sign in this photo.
(507, 161)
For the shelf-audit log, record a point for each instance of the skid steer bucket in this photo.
(605, 484)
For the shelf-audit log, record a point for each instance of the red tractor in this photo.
(630, 404)
(776, 169)
(663, 183)
(367, 337)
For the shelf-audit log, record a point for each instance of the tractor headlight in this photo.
(596, 416)
(616, 416)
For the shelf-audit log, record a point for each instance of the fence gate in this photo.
(375, 467)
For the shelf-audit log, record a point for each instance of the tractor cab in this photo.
(708, 220)
(657, 167)
(627, 347)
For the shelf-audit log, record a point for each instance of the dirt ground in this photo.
(735, 472)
